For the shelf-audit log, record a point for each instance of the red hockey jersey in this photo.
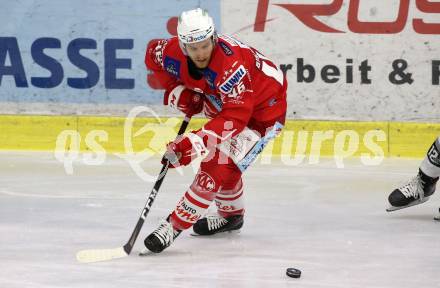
(241, 86)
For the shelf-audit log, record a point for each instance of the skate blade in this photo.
(219, 233)
(145, 252)
(415, 202)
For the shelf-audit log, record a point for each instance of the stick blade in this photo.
(98, 255)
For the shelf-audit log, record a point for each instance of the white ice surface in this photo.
(330, 223)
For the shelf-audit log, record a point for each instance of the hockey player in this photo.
(422, 186)
(244, 95)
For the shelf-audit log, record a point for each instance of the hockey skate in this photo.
(214, 224)
(416, 191)
(160, 238)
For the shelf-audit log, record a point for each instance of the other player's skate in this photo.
(214, 224)
(416, 191)
(160, 238)
(438, 215)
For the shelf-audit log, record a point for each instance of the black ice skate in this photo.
(416, 191)
(215, 224)
(161, 238)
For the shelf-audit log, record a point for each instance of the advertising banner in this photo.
(344, 59)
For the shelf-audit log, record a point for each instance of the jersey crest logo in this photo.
(233, 80)
(172, 66)
(205, 182)
(158, 52)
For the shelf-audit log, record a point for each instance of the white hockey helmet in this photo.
(195, 26)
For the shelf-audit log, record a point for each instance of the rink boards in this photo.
(343, 59)
(299, 137)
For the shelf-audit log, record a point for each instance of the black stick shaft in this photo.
(129, 245)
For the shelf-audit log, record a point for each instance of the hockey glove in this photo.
(185, 100)
(183, 150)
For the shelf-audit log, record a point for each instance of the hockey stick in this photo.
(96, 255)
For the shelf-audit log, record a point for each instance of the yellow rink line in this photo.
(394, 139)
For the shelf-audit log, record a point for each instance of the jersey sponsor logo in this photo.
(210, 77)
(172, 66)
(188, 208)
(186, 212)
(226, 49)
(237, 91)
(233, 80)
(224, 207)
(205, 182)
(237, 146)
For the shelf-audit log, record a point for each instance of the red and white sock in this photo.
(192, 206)
(230, 201)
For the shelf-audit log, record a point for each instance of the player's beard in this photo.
(201, 64)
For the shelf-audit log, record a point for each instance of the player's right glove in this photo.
(183, 150)
(185, 100)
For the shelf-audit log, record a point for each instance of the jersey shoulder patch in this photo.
(172, 66)
(225, 48)
(158, 51)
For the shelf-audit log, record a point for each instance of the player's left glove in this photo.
(183, 150)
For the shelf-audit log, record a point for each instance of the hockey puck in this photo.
(294, 273)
